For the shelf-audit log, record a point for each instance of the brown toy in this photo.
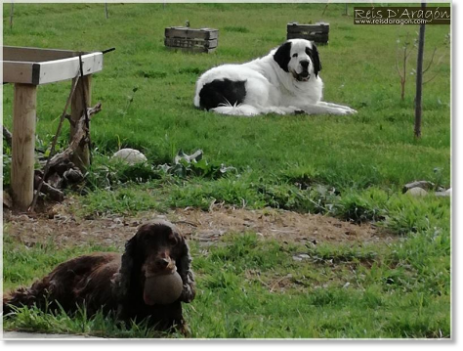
(162, 289)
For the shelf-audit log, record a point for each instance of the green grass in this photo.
(350, 167)
(374, 147)
(388, 294)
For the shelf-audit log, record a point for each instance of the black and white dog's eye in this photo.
(294, 55)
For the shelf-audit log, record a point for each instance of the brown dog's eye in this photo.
(173, 239)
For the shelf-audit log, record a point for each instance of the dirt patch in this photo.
(64, 228)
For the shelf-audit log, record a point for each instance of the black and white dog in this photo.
(286, 81)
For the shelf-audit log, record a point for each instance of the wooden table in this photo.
(27, 68)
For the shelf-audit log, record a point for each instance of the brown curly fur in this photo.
(114, 283)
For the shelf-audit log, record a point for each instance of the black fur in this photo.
(313, 53)
(222, 91)
(283, 55)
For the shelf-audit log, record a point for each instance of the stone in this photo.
(130, 156)
(423, 184)
(417, 192)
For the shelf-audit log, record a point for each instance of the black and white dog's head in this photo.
(299, 57)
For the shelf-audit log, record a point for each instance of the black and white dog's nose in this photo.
(304, 64)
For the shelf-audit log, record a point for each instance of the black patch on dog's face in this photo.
(313, 53)
(282, 56)
(222, 91)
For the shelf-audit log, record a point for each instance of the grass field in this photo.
(400, 289)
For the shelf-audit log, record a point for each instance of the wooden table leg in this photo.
(22, 165)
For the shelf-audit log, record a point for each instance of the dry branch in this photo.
(8, 136)
(46, 188)
(79, 138)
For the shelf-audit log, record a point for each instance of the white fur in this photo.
(270, 89)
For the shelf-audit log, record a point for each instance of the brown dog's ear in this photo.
(123, 277)
(184, 269)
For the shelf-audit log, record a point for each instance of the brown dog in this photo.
(114, 283)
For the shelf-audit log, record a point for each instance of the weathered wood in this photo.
(36, 66)
(58, 70)
(81, 155)
(17, 72)
(11, 15)
(22, 166)
(308, 36)
(419, 77)
(188, 43)
(191, 33)
(318, 32)
(192, 49)
(47, 189)
(320, 27)
(26, 54)
(8, 136)
(79, 139)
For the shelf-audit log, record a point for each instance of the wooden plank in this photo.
(54, 71)
(196, 49)
(318, 27)
(308, 36)
(187, 43)
(51, 71)
(17, 72)
(191, 33)
(15, 53)
(22, 166)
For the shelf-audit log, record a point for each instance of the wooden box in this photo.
(317, 32)
(190, 39)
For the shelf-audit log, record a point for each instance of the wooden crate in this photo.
(318, 32)
(191, 39)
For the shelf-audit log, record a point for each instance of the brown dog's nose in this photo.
(163, 262)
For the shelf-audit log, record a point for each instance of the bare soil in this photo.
(64, 228)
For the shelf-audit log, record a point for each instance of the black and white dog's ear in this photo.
(317, 65)
(283, 55)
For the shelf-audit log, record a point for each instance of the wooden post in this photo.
(11, 15)
(81, 157)
(419, 77)
(22, 167)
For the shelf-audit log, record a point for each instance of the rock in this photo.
(416, 192)
(130, 156)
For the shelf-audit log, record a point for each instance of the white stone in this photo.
(416, 192)
(130, 156)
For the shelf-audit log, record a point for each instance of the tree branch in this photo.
(79, 137)
(430, 62)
